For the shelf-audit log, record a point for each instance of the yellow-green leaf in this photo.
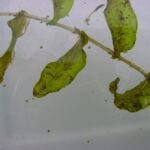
(114, 86)
(5, 60)
(61, 9)
(134, 99)
(18, 26)
(122, 22)
(56, 75)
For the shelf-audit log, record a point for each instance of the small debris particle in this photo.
(106, 100)
(27, 100)
(89, 47)
(88, 141)
(87, 21)
(4, 85)
(48, 130)
(41, 47)
(47, 16)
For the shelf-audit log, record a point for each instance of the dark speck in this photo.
(27, 100)
(106, 100)
(88, 141)
(89, 47)
(4, 85)
(41, 47)
(48, 130)
(47, 16)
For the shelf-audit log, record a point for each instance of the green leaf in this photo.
(56, 75)
(134, 99)
(122, 23)
(18, 26)
(114, 86)
(5, 60)
(61, 9)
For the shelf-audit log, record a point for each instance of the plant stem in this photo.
(123, 59)
(95, 42)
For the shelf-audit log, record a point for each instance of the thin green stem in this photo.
(12, 44)
(95, 42)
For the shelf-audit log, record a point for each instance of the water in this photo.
(84, 110)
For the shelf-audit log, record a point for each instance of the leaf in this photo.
(122, 23)
(61, 9)
(134, 99)
(18, 26)
(114, 86)
(57, 75)
(5, 60)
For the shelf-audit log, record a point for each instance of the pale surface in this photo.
(82, 116)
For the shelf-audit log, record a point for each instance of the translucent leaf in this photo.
(61, 9)
(122, 23)
(87, 20)
(114, 86)
(134, 99)
(18, 26)
(56, 75)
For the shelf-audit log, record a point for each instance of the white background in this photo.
(82, 115)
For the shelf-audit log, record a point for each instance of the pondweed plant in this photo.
(123, 24)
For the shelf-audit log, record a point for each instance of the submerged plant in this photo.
(18, 26)
(122, 22)
(134, 99)
(60, 73)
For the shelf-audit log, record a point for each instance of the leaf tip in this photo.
(113, 86)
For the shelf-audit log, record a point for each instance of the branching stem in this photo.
(95, 42)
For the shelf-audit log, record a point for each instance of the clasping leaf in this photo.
(56, 75)
(18, 26)
(122, 23)
(134, 99)
(61, 9)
